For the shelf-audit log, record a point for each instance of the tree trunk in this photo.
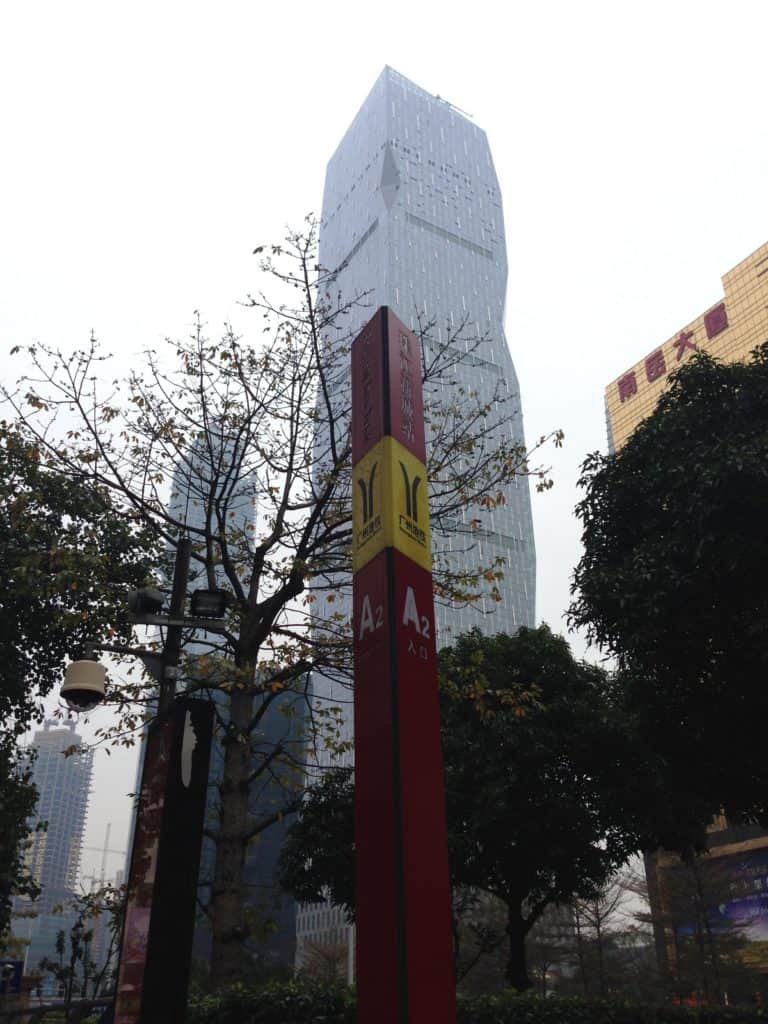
(600, 951)
(580, 951)
(713, 958)
(517, 929)
(230, 925)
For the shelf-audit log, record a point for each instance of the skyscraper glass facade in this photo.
(412, 218)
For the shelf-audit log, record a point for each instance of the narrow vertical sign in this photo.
(158, 929)
(404, 938)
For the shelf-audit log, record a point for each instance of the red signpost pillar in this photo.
(404, 938)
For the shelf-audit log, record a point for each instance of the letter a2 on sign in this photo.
(370, 619)
(421, 623)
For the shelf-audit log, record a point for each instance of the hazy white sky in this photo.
(147, 148)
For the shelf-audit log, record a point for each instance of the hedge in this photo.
(276, 1002)
(301, 1002)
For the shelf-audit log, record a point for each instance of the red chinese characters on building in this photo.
(627, 386)
(655, 366)
(716, 320)
(683, 342)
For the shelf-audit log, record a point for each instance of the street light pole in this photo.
(172, 646)
(158, 928)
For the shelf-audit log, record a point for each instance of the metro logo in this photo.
(367, 492)
(390, 505)
(411, 490)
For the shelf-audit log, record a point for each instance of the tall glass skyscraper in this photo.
(412, 219)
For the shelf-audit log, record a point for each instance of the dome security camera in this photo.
(84, 685)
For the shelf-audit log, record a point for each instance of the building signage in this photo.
(659, 363)
(404, 938)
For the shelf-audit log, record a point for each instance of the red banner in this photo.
(141, 882)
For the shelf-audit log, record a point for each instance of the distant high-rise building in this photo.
(63, 782)
(412, 219)
(735, 872)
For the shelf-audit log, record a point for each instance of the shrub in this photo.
(510, 1008)
(300, 1001)
(278, 1002)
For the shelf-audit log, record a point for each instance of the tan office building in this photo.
(728, 330)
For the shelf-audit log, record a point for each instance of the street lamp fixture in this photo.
(147, 601)
(208, 604)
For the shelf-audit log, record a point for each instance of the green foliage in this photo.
(291, 1002)
(673, 584)
(18, 797)
(534, 759)
(297, 1002)
(317, 853)
(67, 559)
(529, 740)
(510, 1008)
(534, 763)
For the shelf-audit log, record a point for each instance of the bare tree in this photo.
(549, 946)
(245, 448)
(593, 921)
(702, 953)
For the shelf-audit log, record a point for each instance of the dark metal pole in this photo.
(172, 647)
(160, 911)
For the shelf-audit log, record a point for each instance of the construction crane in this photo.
(104, 850)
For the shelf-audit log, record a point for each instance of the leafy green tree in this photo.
(317, 857)
(68, 558)
(534, 759)
(67, 561)
(263, 425)
(533, 764)
(672, 583)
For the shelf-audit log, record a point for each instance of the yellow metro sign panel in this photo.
(390, 507)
